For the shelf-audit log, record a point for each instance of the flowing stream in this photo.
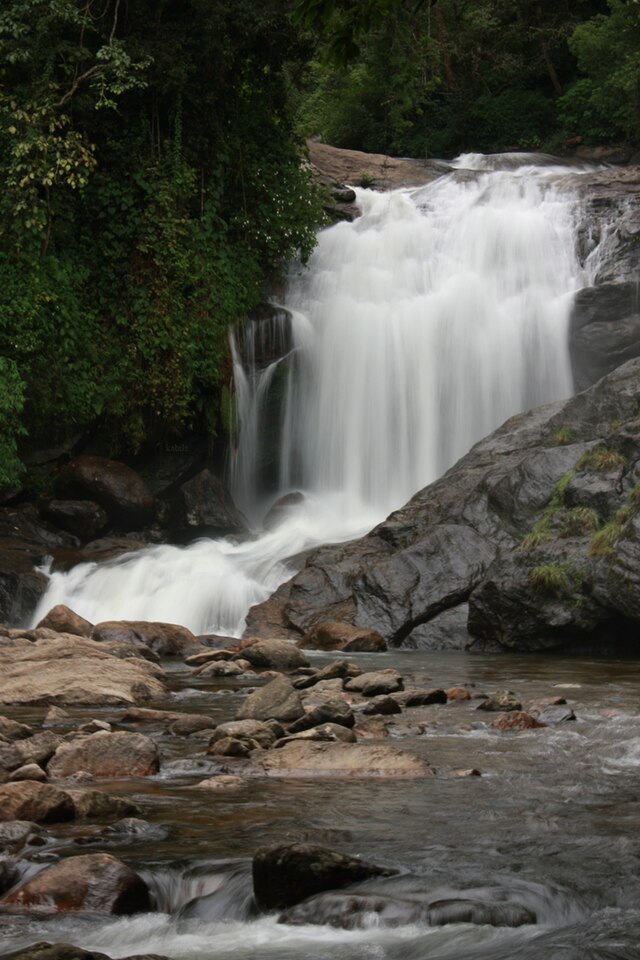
(413, 333)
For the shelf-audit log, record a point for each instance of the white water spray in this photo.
(416, 330)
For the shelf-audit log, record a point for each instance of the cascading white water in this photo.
(416, 330)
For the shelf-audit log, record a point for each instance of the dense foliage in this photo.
(437, 77)
(150, 179)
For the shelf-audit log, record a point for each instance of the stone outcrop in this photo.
(535, 532)
(70, 670)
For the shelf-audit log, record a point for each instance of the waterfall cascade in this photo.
(413, 332)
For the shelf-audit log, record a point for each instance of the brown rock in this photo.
(63, 620)
(83, 518)
(12, 730)
(327, 732)
(232, 747)
(96, 882)
(328, 709)
(385, 706)
(458, 693)
(191, 723)
(36, 749)
(264, 734)
(116, 487)
(274, 655)
(165, 639)
(107, 755)
(423, 698)
(338, 670)
(39, 802)
(222, 782)
(516, 720)
(95, 805)
(375, 684)
(501, 701)
(333, 635)
(220, 668)
(30, 771)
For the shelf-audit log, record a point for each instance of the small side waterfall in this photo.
(413, 332)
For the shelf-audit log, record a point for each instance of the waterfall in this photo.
(413, 332)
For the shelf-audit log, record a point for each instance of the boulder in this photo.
(63, 620)
(30, 771)
(83, 518)
(96, 882)
(501, 701)
(73, 671)
(274, 655)
(113, 485)
(376, 683)
(604, 330)
(516, 720)
(36, 749)
(39, 802)
(165, 639)
(333, 635)
(383, 706)
(95, 805)
(190, 723)
(66, 951)
(13, 730)
(326, 732)
(277, 700)
(423, 698)
(106, 755)
(203, 506)
(339, 669)
(281, 509)
(264, 734)
(327, 709)
(13, 832)
(342, 761)
(286, 875)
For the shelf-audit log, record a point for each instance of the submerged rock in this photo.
(348, 761)
(285, 875)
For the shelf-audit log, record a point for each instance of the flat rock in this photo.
(342, 761)
(107, 755)
(96, 882)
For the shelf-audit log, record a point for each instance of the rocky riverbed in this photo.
(486, 799)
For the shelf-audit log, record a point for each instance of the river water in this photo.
(551, 825)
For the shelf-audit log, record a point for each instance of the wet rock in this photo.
(354, 911)
(423, 698)
(116, 487)
(57, 717)
(71, 670)
(281, 509)
(66, 951)
(232, 747)
(95, 726)
(443, 912)
(516, 720)
(338, 670)
(189, 724)
(461, 774)
(63, 620)
(277, 700)
(444, 631)
(326, 732)
(30, 771)
(13, 832)
(95, 805)
(36, 749)
(222, 782)
(165, 639)
(372, 728)
(9, 874)
(501, 701)
(376, 683)
(203, 506)
(551, 714)
(329, 709)
(208, 656)
(286, 875)
(385, 706)
(604, 330)
(274, 655)
(12, 730)
(95, 882)
(333, 635)
(39, 802)
(107, 755)
(84, 518)
(342, 761)
(264, 734)
(219, 668)
(458, 693)
(133, 828)
(97, 551)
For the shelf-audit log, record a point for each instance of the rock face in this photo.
(285, 875)
(116, 487)
(203, 506)
(106, 755)
(535, 532)
(71, 670)
(96, 882)
(605, 322)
